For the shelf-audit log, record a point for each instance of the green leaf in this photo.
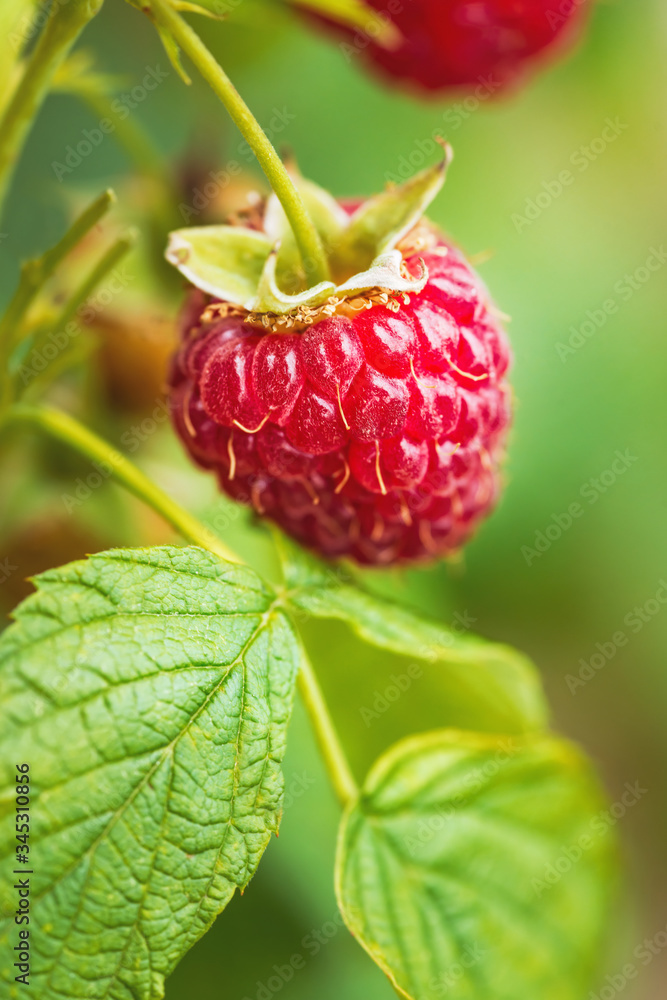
(225, 261)
(458, 869)
(500, 683)
(150, 691)
(382, 221)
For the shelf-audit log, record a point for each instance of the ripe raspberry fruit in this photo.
(488, 44)
(368, 424)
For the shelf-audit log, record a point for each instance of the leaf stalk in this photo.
(326, 734)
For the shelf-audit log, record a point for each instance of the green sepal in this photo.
(225, 261)
(382, 221)
(271, 299)
(327, 216)
(384, 272)
(263, 272)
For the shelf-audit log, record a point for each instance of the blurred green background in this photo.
(574, 411)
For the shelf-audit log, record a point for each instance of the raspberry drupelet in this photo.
(486, 45)
(374, 433)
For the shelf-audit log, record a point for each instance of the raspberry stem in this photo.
(68, 430)
(313, 257)
(64, 25)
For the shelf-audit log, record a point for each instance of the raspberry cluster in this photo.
(375, 433)
(462, 43)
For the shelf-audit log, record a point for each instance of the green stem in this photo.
(107, 262)
(65, 428)
(35, 273)
(327, 737)
(112, 256)
(65, 23)
(308, 240)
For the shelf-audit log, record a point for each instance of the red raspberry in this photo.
(373, 434)
(466, 43)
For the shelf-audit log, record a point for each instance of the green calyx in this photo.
(263, 272)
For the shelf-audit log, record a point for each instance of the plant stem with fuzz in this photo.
(65, 24)
(307, 238)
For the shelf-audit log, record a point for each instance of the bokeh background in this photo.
(575, 409)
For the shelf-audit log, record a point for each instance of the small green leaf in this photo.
(225, 261)
(173, 53)
(149, 690)
(382, 221)
(479, 868)
(500, 683)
